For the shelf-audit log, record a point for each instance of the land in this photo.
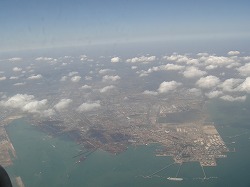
(177, 123)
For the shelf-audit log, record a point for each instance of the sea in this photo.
(43, 160)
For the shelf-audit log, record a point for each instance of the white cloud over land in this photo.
(89, 106)
(26, 103)
(62, 104)
(208, 82)
(168, 86)
(115, 59)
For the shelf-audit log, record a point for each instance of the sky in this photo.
(31, 24)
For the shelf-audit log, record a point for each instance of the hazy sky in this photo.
(49, 23)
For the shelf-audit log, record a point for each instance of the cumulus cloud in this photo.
(181, 59)
(115, 59)
(208, 82)
(86, 87)
(43, 59)
(177, 58)
(75, 79)
(26, 103)
(107, 88)
(13, 78)
(230, 85)
(171, 67)
(47, 113)
(108, 78)
(62, 104)
(14, 59)
(89, 106)
(73, 73)
(211, 66)
(35, 106)
(234, 64)
(168, 86)
(88, 78)
(192, 72)
(245, 86)
(244, 70)
(105, 71)
(33, 77)
(19, 84)
(214, 94)
(63, 78)
(133, 67)
(83, 57)
(195, 91)
(232, 99)
(16, 69)
(232, 53)
(147, 92)
(143, 59)
(3, 78)
(202, 54)
(219, 61)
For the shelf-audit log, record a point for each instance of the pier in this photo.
(158, 171)
(205, 177)
(178, 170)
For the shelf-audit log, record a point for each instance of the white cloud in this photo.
(214, 94)
(234, 64)
(195, 91)
(211, 66)
(147, 92)
(107, 88)
(177, 58)
(83, 57)
(232, 53)
(14, 59)
(43, 59)
(230, 85)
(3, 78)
(143, 59)
(202, 54)
(35, 106)
(19, 84)
(216, 60)
(47, 113)
(115, 59)
(88, 78)
(13, 78)
(62, 104)
(105, 71)
(32, 77)
(89, 106)
(64, 78)
(26, 103)
(16, 69)
(75, 79)
(107, 78)
(245, 86)
(72, 73)
(17, 101)
(208, 82)
(244, 70)
(133, 67)
(171, 67)
(232, 99)
(143, 74)
(192, 72)
(85, 87)
(168, 86)
(181, 59)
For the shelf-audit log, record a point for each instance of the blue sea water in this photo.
(43, 160)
